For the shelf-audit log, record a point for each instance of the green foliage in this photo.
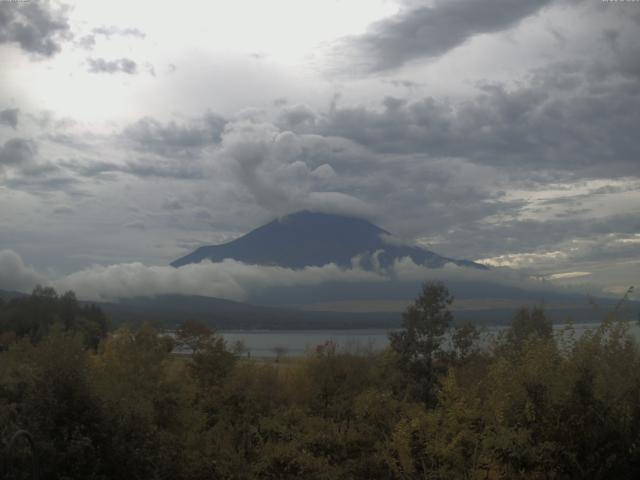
(146, 408)
(34, 316)
(193, 336)
(212, 363)
(418, 344)
(464, 341)
(529, 322)
(45, 390)
(532, 405)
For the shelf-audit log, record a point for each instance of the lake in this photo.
(265, 343)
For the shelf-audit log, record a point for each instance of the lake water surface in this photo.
(267, 343)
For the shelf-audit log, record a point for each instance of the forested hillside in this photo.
(532, 405)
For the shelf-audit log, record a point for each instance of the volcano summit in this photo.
(306, 238)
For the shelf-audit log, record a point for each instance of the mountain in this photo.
(168, 311)
(10, 294)
(314, 239)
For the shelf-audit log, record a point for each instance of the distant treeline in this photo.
(33, 316)
(535, 404)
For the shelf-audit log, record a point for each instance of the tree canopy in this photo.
(437, 404)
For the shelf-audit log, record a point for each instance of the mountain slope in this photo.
(10, 294)
(314, 239)
(168, 311)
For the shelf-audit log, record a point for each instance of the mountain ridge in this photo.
(309, 238)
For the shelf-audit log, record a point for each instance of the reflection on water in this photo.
(271, 343)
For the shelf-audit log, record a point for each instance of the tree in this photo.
(280, 351)
(194, 336)
(465, 341)
(528, 322)
(33, 316)
(418, 344)
(147, 402)
(212, 364)
(45, 389)
(239, 348)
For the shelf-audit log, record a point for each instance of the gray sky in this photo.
(502, 131)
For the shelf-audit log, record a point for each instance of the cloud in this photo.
(581, 133)
(147, 166)
(89, 41)
(150, 166)
(238, 281)
(113, 30)
(121, 65)
(324, 172)
(9, 117)
(426, 31)
(15, 275)
(29, 172)
(632, 239)
(39, 182)
(34, 26)
(281, 170)
(173, 149)
(335, 202)
(135, 225)
(546, 245)
(63, 210)
(228, 279)
(172, 203)
(521, 260)
(18, 152)
(234, 280)
(405, 269)
(565, 275)
(168, 139)
(261, 159)
(295, 117)
(389, 170)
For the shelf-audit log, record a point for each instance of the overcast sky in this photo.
(504, 131)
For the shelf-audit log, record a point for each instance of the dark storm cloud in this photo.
(30, 172)
(34, 26)
(148, 148)
(586, 132)
(9, 117)
(425, 196)
(121, 65)
(152, 136)
(427, 31)
(17, 152)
